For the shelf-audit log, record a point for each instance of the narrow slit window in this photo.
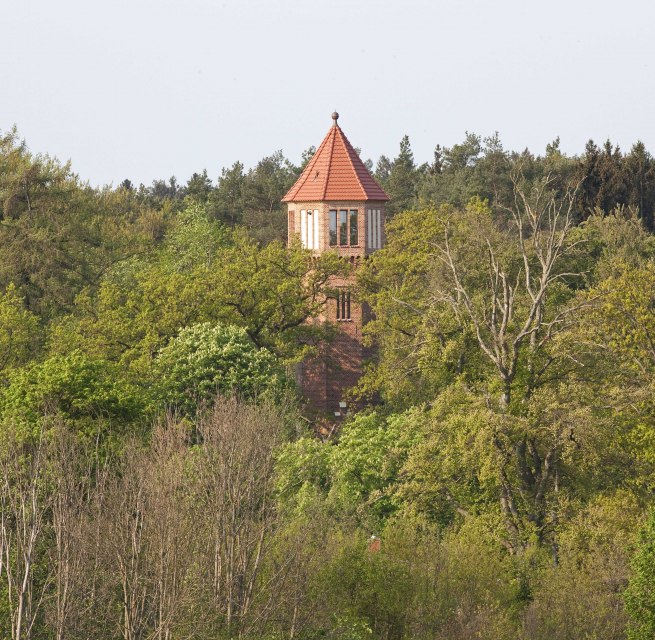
(378, 228)
(333, 228)
(310, 230)
(369, 235)
(303, 227)
(353, 227)
(343, 227)
(343, 305)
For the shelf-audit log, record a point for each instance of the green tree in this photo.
(604, 180)
(58, 235)
(402, 180)
(90, 394)
(199, 187)
(357, 475)
(227, 200)
(203, 273)
(272, 291)
(264, 188)
(475, 167)
(640, 594)
(581, 596)
(494, 315)
(204, 360)
(640, 173)
(421, 346)
(382, 170)
(19, 330)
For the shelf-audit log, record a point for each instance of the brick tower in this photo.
(336, 205)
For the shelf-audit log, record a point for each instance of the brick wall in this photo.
(323, 209)
(325, 379)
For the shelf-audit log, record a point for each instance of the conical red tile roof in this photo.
(335, 172)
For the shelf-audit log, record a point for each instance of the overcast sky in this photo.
(146, 89)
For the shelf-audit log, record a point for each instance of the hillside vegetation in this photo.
(158, 478)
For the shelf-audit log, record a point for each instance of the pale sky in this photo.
(146, 89)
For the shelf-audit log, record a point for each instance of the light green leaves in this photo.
(206, 359)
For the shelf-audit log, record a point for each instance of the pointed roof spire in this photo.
(335, 172)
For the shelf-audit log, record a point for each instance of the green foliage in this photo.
(475, 167)
(503, 469)
(453, 470)
(19, 330)
(626, 303)
(416, 586)
(422, 348)
(612, 178)
(263, 190)
(487, 332)
(204, 360)
(203, 273)
(193, 241)
(367, 460)
(88, 393)
(590, 574)
(302, 473)
(640, 594)
(357, 474)
(271, 291)
(227, 201)
(401, 181)
(58, 235)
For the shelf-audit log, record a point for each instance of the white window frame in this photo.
(309, 228)
(374, 228)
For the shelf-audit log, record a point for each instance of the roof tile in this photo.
(335, 172)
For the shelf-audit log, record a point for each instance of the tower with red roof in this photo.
(336, 205)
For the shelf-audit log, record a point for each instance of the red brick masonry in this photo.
(336, 178)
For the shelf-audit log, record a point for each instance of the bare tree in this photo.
(24, 507)
(508, 307)
(123, 545)
(77, 477)
(511, 316)
(235, 471)
(173, 540)
(185, 529)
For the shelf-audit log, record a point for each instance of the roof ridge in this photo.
(306, 172)
(349, 149)
(329, 163)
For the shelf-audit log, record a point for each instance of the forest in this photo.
(160, 479)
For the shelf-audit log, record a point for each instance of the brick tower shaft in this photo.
(336, 205)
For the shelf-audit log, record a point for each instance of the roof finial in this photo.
(335, 117)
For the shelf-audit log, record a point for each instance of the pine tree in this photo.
(639, 170)
(401, 184)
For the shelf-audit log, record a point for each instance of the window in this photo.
(373, 228)
(309, 228)
(333, 228)
(343, 305)
(353, 227)
(343, 228)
